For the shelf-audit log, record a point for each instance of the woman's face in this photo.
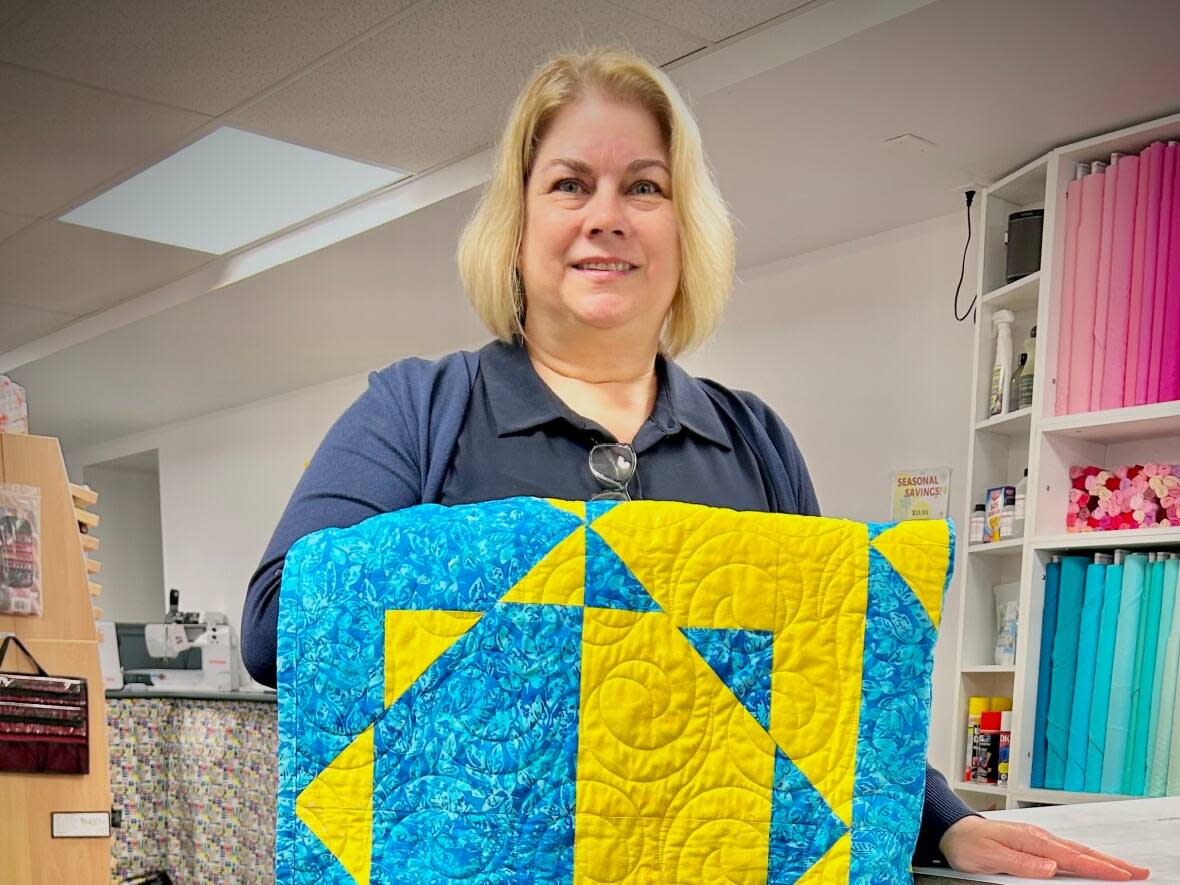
(600, 194)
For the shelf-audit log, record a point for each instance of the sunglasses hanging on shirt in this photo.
(613, 465)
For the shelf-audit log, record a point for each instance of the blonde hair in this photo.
(491, 239)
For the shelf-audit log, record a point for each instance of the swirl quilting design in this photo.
(531, 691)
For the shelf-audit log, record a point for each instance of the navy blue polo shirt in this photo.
(519, 438)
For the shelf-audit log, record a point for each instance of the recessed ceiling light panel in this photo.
(229, 189)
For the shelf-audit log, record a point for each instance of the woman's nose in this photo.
(605, 213)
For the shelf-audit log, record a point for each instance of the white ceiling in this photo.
(794, 114)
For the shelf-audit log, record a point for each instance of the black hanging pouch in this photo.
(43, 720)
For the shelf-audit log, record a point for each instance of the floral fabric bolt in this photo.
(1139, 496)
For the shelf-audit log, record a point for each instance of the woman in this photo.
(601, 249)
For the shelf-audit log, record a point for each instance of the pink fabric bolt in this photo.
(1073, 218)
(1081, 359)
(1161, 277)
(1170, 366)
(1135, 308)
(1115, 350)
(1155, 180)
(1102, 290)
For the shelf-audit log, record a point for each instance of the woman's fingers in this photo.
(1137, 872)
(1067, 857)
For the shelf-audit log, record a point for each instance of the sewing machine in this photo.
(212, 637)
(190, 651)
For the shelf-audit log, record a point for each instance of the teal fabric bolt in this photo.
(1064, 668)
(1118, 728)
(1167, 601)
(1079, 718)
(1112, 595)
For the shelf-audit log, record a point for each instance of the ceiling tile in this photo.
(439, 84)
(10, 224)
(713, 19)
(195, 54)
(9, 9)
(62, 141)
(394, 292)
(20, 324)
(72, 269)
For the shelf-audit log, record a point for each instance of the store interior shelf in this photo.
(1118, 425)
(1016, 296)
(1062, 797)
(996, 548)
(988, 669)
(990, 789)
(1161, 537)
(1011, 424)
(1023, 187)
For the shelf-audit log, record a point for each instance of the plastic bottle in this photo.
(1021, 496)
(1028, 372)
(975, 707)
(1008, 517)
(1000, 400)
(1005, 746)
(975, 526)
(1017, 377)
(987, 766)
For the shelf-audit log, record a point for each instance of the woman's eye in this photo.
(646, 188)
(568, 186)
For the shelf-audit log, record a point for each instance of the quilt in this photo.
(566, 693)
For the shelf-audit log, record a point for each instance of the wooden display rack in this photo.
(64, 641)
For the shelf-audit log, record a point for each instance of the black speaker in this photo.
(1024, 243)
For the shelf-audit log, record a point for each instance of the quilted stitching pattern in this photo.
(554, 692)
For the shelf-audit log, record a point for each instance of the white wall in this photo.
(224, 481)
(854, 346)
(132, 559)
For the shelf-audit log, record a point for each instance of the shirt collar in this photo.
(519, 400)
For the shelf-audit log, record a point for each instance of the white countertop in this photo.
(1143, 831)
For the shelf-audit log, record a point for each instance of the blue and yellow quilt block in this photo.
(532, 691)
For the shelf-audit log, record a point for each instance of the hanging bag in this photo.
(43, 720)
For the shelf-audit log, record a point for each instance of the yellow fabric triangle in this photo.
(577, 508)
(919, 551)
(338, 806)
(414, 640)
(833, 868)
(559, 578)
(705, 568)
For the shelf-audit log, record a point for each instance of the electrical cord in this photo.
(970, 312)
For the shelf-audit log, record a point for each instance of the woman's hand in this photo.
(978, 845)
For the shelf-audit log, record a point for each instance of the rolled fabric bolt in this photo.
(1118, 727)
(1112, 594)
(1073, 218)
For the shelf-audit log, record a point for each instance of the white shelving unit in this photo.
(1048, 445)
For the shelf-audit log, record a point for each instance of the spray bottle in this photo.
(1000, 400)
